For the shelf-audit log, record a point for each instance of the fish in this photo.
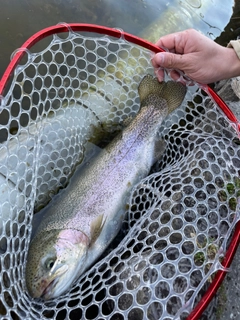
(83, 219)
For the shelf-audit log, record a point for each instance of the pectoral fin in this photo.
(96, 227)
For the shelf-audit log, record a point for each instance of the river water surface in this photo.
(149, 19)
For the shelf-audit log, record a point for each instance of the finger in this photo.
(170, 60)
(159, 72)
(171, 42)
(175, 75)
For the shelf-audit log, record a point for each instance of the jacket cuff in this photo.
(235, 44)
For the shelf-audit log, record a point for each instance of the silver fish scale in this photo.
(180, 217)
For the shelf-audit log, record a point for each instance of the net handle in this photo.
(198, 310)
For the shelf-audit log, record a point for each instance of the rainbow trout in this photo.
(82, 220)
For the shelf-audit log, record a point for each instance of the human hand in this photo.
(199, 57)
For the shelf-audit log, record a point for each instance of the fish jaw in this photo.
(56, 264)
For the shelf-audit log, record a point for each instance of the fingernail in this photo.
(160, 58)
(159, 74)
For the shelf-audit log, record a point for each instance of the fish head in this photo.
(54, 260)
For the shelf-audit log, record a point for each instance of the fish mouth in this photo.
(46, 294)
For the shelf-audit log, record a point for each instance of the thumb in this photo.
(169, 60)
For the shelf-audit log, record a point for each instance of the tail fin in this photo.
(150, 85)
(173, 92)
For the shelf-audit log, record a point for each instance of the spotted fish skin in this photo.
(83, 219)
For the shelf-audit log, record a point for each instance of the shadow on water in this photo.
(232, 29)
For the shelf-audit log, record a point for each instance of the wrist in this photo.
(235, 44)
(231, 65)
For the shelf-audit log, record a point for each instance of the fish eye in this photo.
(49, 263)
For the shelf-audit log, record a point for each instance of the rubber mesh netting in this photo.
(63, 103)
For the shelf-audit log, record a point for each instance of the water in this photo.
(147, 18)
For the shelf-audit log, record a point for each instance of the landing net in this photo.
(59, 105)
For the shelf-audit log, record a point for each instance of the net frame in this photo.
(78, 27)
